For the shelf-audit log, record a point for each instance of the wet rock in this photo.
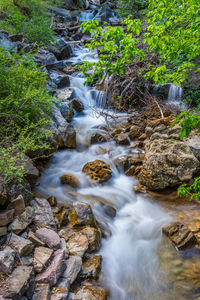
(61, 49)
(32, 173)
(21, 222)
(98, 170)
(33, 238)
(84, 214)
(20, 244)
(66, 110)
(88, 292)
(73, 267)
(7, 260)
(44, 57)
(91, 267)
(43, 213)
(6, 217)
(59, 293)
(55, 269)
(109, 211)
(65, 136)
(181, 237)
(135, 132)
(42, 256)
(19, 283)
(98, 138)
(49, 237)
(3, 231)
(122, 163)
(42, 292)
(18, 205)
(52, 200)
(70, 180)
(60, 79)
(77, 105)
(59, 65)
(3, 193)
(77, 244)
(116, 131)
(94, 238)
(62, 217)
(167, 163)
(122, 139)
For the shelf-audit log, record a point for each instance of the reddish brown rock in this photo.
(94, 238)
(49, 237)
(98, 170)
(55, 269)
(89, 292)
(77, 244)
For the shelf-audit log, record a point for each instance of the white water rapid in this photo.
(131, 266)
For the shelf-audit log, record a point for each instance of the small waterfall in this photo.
(101, 99)
(175, 93)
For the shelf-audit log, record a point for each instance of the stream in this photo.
(133, 252)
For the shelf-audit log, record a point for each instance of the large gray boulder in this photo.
(167, 163)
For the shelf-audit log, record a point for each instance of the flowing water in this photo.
(132, 268)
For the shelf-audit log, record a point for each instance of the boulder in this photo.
(3, 193)
(98, 137)
(94, 238)
(88, 292)
(59, 78)
(20, 244)
(122, 139)
(70, 180)
(180, 236)
(77, 244)
(65, 136)
(135, 132)
(43, 213)
(66, 110)
(42, 292)
(54, 271)
(65, 95)
(84, 214)
(42, 256)
(18, 205)
(49, 237)
(7, 260)
(16, 188)
(109, 211)
(91, 267)
(6, 217)
(32, 173)
(20, 283)
(61, 49)
(3, 231)
(194, 144)
(21, 222)
(167, 163)
(98, 170)
(77, 105)
(44, 57)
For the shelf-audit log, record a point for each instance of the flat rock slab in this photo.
(18, 284)
(7, 260)
(20, 244)
(6, 217)
(49, 237)
(55, 269)
(181, 237)
(77, 244)
(42, 256)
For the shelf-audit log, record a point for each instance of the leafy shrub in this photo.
(25, 110)
(131, 7)
(29, 17)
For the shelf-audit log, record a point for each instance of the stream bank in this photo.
(85, 194)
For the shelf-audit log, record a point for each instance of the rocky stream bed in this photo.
(101, 219)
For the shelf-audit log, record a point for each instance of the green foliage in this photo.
(29, 17)
(192, 191)
(188, 122)
(131, 7)
(25, 109)
(172, 31)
